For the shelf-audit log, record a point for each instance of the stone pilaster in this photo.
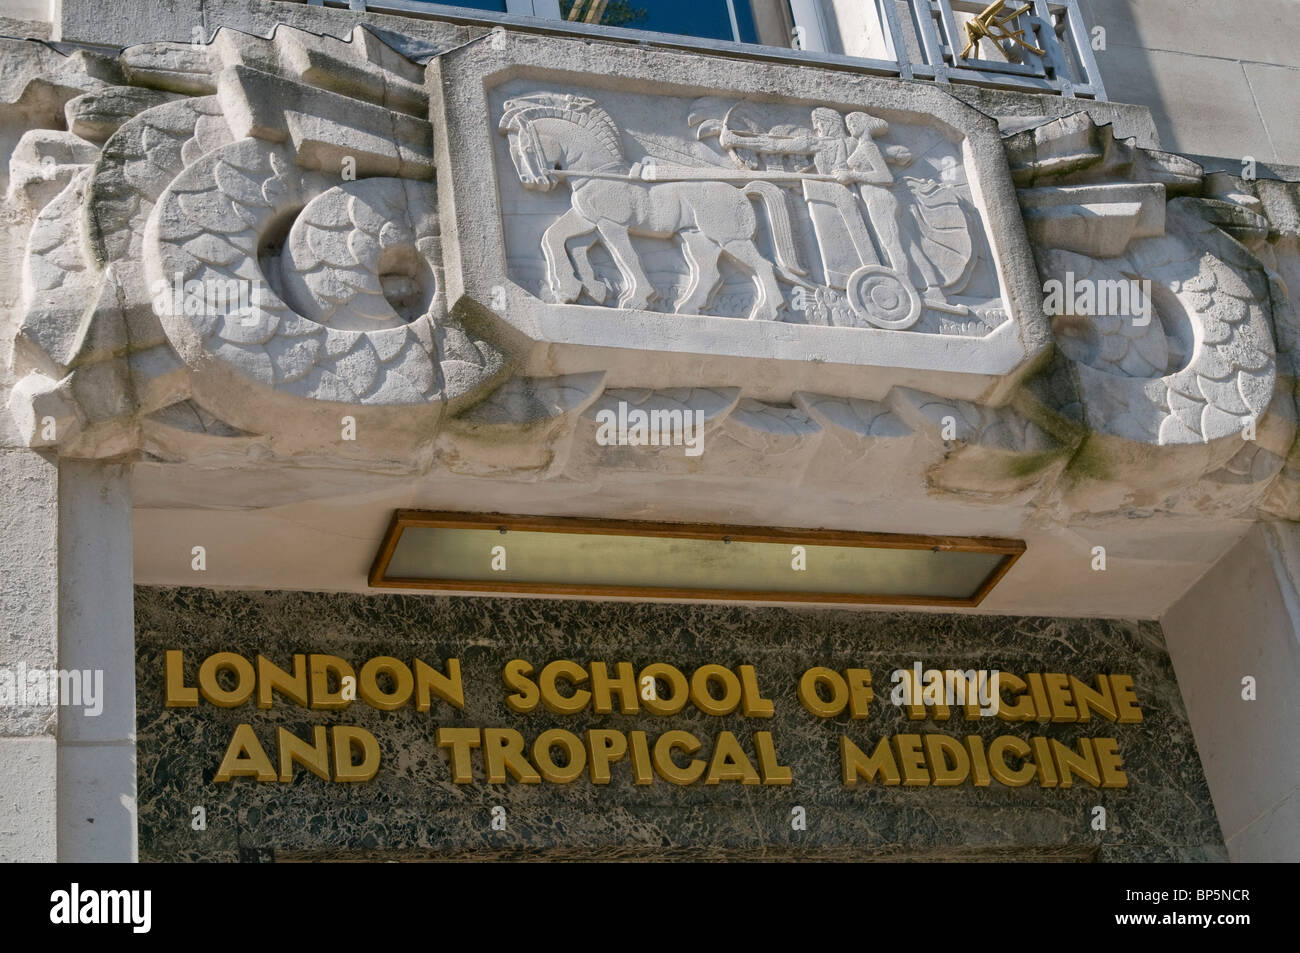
(67, 791)
(1242, 620)
(96, 763)
(29, 611)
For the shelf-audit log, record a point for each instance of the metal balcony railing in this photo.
(1033, 45)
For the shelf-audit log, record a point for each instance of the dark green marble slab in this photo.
(412, 810)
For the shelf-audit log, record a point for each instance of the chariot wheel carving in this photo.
(883, 299)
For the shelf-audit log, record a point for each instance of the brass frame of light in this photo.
(1011, 549)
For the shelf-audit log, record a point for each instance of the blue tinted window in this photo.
(702, 18)
(709, 19)
(496, 6)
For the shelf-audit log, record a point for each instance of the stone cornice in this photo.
(393, 241)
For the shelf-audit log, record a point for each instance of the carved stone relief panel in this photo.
(761, 211)
(872, 229)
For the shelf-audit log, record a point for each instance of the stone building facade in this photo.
(276, 271)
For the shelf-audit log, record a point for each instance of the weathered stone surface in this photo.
(42, 164)
(96, 116)
(525, 427)
(171, 240)
(29, 598)
(1192, 371)
(867, 232)
(44, 410)
(721, 249)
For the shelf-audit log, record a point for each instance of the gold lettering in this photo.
(603, 687)
(811, 698)
(704, 699)
(914, 695)
(979, 765)
(1126, 707)
(678, 691)
(1016, 778)
(345, 738)
(641, 763)
(559, 704)
(1109, 761)
(949, 762)
(448, 687)
(860, 693)
(604, 746)
(368, 686)
(911, 760)
(572, 745)
(936, 684)
(968, 690)
(1058, 693)
(322, 666)
(1042, 710)
(460, 741)
(211, 687)
(315, 757)
(245, 758)
(854, 764)
(729, 762)
(772, 772)
(1043, 761)
(272, 678)
(669, 769)
(1083, 763)
(179, 695)
(503, 750)
(1022, 710)
(752, 702)
(526, 696)
(1089, 700)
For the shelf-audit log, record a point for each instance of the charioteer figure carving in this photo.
(841, 159)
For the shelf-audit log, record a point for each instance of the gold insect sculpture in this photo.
(992, 23)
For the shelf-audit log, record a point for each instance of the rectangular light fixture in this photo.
(466, 552)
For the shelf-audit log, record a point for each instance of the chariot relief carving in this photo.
(809, 216)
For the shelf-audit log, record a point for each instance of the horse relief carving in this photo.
(832, 218)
